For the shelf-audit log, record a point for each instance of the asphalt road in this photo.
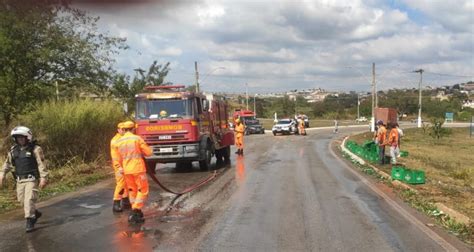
(288, 193)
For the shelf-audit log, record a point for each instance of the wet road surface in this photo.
(288, 193)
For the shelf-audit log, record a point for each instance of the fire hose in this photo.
(189, 189)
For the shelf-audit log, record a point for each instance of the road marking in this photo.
(91, 206)
(430, 233)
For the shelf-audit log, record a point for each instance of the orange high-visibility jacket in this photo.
(382, 135)
(393, 137)
(239, 129)
(132, 149)
(114, 154)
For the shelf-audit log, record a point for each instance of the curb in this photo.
(380, 172)
(459, 217)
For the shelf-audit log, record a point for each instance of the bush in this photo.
(79, 129)
(436, 130)
(465, 116)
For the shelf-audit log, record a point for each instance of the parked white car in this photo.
(284, 126)
(361, 119)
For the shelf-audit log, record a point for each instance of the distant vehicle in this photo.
(305, 119)
(416, 120)
(253, 127)
(244, 115)
(361, 119)
(285, 126)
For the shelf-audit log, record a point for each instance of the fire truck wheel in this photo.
(205, 164)
(219, 155)
(226, 154)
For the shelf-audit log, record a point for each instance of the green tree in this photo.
(126, 90)
(44, 42)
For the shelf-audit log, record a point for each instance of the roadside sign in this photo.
(449, 117)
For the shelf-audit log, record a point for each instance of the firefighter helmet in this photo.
(163, 113)
(128, 125)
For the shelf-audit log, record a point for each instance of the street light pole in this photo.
(358, 104)
(209, 73)
(419, 96)
(372, 121)
(254, 107)
(247, 95)
(197, 76)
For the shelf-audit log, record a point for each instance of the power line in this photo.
(450, 75)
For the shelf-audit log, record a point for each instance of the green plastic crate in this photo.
(398, 173)
(403, 153)
(414, 176)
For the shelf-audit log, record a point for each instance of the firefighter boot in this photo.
(237, 152)
(30, 224)
(136, 217)
(241, 152)
(117, 208)
(126, 204)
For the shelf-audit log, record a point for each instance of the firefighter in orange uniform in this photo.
(121, 200)
(239, 136)
(132, 149)
(381, 140)
(393, 142)
(302, 130)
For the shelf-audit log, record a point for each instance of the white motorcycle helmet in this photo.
(22, 131)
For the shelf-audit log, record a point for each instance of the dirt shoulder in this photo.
(448, 164)
(449, 167)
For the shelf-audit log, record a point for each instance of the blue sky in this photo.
(281, 44)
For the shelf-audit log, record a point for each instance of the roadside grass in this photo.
(448, 165)
(449, 168)
(61, 180)
(465, 232)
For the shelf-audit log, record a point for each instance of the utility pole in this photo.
(419, 96)
(296, 106)
(197, 76)
(247, 94)
(372, 124)
(57, 91)
(376, 94)
(358, 104)
(254, 107)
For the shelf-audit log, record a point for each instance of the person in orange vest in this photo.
(239, 136)
(393, 142)
(121, 200)
(381, 138)
(301, 127)
(132, 149)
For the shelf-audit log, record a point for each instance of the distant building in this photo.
(468, 104)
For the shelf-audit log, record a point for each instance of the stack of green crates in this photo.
(407, 175)
(414, 176)
(367, 151)
(398, 173)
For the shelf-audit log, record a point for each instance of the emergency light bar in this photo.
(164, 87)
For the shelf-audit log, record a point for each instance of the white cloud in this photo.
(286, 44)
(171, 51)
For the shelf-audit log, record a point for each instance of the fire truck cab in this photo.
(183, 126)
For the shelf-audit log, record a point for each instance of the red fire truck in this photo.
(244, 114)
(183, 126)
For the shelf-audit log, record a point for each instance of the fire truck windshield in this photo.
(164, 109)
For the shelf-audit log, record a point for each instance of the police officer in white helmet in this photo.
(27, 160)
